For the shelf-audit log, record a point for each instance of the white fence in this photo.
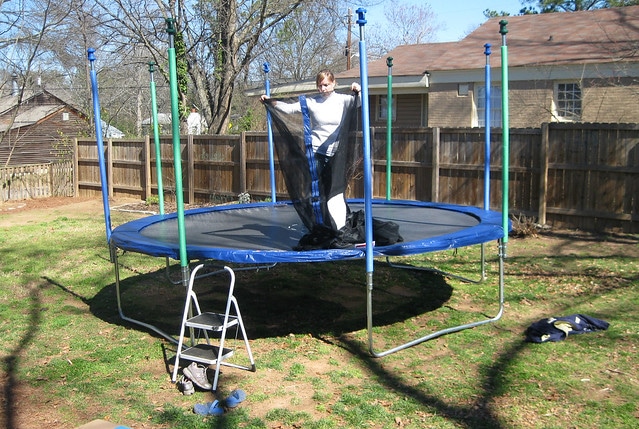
(36, 181)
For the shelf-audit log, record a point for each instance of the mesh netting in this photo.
(317, 183)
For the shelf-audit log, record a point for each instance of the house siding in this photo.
(530, 103)
(610, 101)
(446, 108)
(48, 139)
(408, 114)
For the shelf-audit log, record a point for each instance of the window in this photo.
(495, 106)
(382, 113)
(568, 101)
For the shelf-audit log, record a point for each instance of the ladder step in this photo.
(205, 353)
(210, 321)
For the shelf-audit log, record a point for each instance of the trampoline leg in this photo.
(116, 265)
(445, 273)
(483, 262)
(369, 310)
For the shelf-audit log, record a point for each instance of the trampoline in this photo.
(261, 235)
(265, 232)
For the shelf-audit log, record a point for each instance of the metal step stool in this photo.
(208, 353)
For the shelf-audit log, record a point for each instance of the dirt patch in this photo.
(36, 210)
(43, 203)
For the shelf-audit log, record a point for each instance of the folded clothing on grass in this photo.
(558, 328)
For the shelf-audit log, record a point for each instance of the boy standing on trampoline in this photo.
(327, 119)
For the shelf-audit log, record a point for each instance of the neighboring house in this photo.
(110, 131)
(164, 122)
(571, 66)
(38, 130)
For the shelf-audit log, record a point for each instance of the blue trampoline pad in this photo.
(267, 232)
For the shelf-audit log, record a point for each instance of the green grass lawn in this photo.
(68, 358)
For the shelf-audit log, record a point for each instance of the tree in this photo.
(26, 27)
(305, 42)
(405, 24)
(215, 43)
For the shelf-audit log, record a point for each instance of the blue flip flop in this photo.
(234, 399)
(209, 409)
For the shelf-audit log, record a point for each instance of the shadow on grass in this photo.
(476, 415)
(11, 362)
(316, 299)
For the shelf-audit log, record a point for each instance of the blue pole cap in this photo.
(91, 54)
(266, 67)
(360, 16)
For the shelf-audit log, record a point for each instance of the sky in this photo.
(458, 17)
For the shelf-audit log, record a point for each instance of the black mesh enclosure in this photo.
(313, 179)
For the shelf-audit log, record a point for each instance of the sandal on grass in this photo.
(235, 398)
(209, 409)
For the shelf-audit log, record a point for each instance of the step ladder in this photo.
(207, 322)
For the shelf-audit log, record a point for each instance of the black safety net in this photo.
(312, 180)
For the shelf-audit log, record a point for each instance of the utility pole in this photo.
(347, 51)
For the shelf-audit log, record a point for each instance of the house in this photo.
(111, 132)
(39, 129)
(572, 66)
(164, 122)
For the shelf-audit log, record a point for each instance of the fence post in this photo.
(434, 192)
(110, 167)
(51, 181)
(190, 169)
(76, 173)
(147, 167)
(543, 172)
(242, 163)
(373, 151)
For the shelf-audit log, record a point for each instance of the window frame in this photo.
(382, 114)
(572, 109)
(495, 105)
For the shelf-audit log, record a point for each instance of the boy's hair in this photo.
(323, 74)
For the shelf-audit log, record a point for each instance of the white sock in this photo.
(337, 209)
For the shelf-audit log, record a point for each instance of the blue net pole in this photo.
(368, 170)
(100, 143)
(389, 127)
(156, 139)
(271, 156)
(487, 128)
(505, 127)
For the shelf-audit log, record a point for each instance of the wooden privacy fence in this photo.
(37, 181)
(568, 175)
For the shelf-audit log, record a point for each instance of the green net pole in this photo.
(389, 123)
(177, 157)
(156, 139)
(505, 126)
